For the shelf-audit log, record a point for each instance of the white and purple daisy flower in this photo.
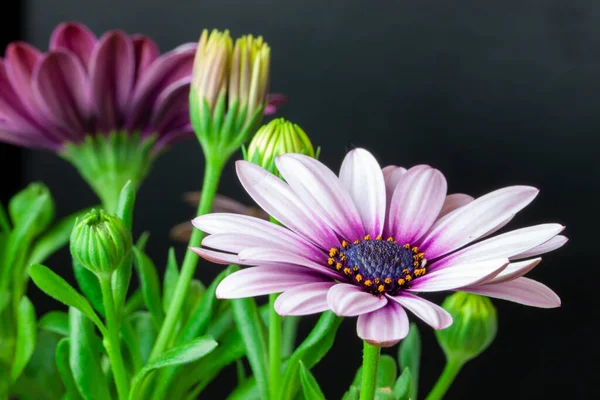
(367, 242)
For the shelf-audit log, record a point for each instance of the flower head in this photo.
(228, 96)
(367, 242)
(274, 139)
(100, 242)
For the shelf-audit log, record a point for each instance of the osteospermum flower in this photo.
(366, 243)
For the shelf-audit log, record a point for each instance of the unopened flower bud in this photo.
(35, 198)
(100, 242)
(473, 329)
(228, 93)
(275, 138)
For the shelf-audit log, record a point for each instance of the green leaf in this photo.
(122, 276)
(62, 362)
(252, 330)
(402, 386)
(145, 331)
(310, 352)
(384, 394)
(89, 285)
(170, 280)
(133, 345)
(134, 303)
(41, 380)
(310, 386)
(183, 354)
(409, 355)
(4, 222)
(84, 358)
(386, 373)
(55, 238)
(55, 321)
(26, 336)
(57, 288)
(150, 286)
(352, 394)
(197, 323)
(142, 240)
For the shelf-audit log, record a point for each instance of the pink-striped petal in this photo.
(279, 200)
(551, 245)
(21, 60)
(384, 327)
(217, 257)
(304, 300)
(112, 68)
(521, 290)
(361, 175)
(515, 270)
(455, 201)
(475, 219)
(323, 192)
(146, 52)
(416, 203)
(261, 255)
(258, 281)
(434, 315)
(392, 175)
(459, 275)
(217, 223)
(61, 91)
(76, 38)
(506, 245)
(347, 300)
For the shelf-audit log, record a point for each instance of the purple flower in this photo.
(367, 242)
(84, 85)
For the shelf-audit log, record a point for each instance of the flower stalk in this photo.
(451, 370)
(370, 367)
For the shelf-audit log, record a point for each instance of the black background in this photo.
(492, 93)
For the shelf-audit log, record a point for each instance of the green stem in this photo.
(274, 347)
(443, 383)
(369, 371)
(112, 342)
(212, 174)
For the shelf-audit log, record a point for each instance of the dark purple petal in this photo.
(112, 69)
(167, 69)
(171, 110)
(146, 52)
(60, 88)
(30, 139)
(21, 60)
(274, 102)
(74, 37)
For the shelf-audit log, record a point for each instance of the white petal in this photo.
(304, 300)
(416, 203)
(384, 327)
(521, 290)
(473, 220)
(455, 201)
(431, 313)
(361, 175)
(279, 200)
(515, 270)
(323, 192)
(551, 245)
(347, 300)
(459, 275)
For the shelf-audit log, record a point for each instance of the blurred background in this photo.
(491, 93)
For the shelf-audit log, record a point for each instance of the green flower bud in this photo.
(275, 138)
(473, 329)
(35, 198)
(228, 93)
(100, 242)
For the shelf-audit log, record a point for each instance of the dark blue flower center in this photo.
(380, 266)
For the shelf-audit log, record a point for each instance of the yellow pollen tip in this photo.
(416, 263)
(381, 289)
(347, 271)
(407, 246)
(333, 252)
(408, 278)
(345, 244)
(368, 282)
(355, 268)
(391, 240)
(338, 266)
(343, 257)
(415, 249)
(377, 280)
(358, 278)
(388, 281)
(421, 255)
(405, 271)
(357, 241)
(330, 261)
(378, 237)
(368, 237)
(400, 281)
